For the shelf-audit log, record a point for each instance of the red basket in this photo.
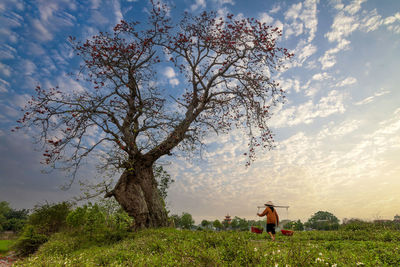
(256, 230)
(287, 232)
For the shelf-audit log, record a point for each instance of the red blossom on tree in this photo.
(228, 65)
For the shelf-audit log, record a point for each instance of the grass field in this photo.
(171, 247)
(5, 246)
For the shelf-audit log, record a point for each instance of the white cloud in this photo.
(389, 21)
(293, 12)
(332, 130)
(306, 52)
(28, 67)
(96, 3)
(343, 25)
(371, 21)
(321, 76)
(174, 82)
(67, 84)
(289, 84)
(275, 9)
(3, 86)
(328, 60)
(307, 112)
(199, 4)
(392, 19)
(354, 7)
(337, 4)
(372, 98)
(21, 100)
(117, 12)
(171, 75)
(302, 16)
(98, 18)
(47, 10)
(6, 70)
(265, 18)
(309, 17)
(347, 81)
(223, 2)
(7, 52)
(169, 72)
(42, 33)
(8, 34)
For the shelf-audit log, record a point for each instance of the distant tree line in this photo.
(321, 220)
(12, 219)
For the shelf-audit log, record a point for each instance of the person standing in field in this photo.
(272, 218)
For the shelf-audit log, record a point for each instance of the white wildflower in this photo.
(334, 265)
(318, 259)
(255, 249)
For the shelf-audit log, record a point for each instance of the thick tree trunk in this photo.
(136, 191)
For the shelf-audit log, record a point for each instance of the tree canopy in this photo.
(323, 220)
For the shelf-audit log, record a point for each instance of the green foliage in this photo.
(218, 225)
(240, 224)
(186, 221)
(87, 219)
(11, 219)
(163, 179)
(29, 241)
(176, 220)
(104, 222)
(205, 223)
(99, 223)
(357, 225)
(5, 246)
(294, 225)
(323, 220)
(49, 218)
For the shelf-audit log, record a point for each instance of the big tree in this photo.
(124, 114)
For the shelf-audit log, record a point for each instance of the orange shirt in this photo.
(272, 216)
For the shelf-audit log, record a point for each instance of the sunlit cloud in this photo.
(372, 98)
(347, 81)
(171, 75)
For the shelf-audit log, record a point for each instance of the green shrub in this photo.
(29, 241)
(96, 223)
(88, 220)
(49, 218)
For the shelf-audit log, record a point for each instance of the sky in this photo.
(338, 135)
